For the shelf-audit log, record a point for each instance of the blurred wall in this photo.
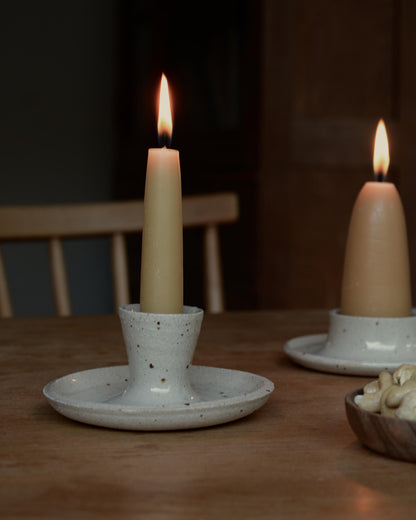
(277, 101)
(56, 136)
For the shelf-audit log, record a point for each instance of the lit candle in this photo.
(161, 285)
(376, 280)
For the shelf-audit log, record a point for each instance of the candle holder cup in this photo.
(360, 338)
(160, 349)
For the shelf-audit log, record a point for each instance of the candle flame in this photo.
(381, 157)
(164, 123)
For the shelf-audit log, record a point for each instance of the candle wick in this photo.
(379, 177)
(164, 139)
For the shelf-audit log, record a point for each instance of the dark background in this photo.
(210, 54)
(276, 100)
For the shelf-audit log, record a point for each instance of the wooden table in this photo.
(294, 458)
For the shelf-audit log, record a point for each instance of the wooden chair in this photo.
(115, 219)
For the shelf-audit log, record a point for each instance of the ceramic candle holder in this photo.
(160, 349)
(359, 338)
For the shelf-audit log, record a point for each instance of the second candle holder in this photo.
(160, 349)
(357, 345)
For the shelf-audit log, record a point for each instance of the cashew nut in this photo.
(372, 387)
(392, 397)
(404, 373)
(407, 408)
(371, 399)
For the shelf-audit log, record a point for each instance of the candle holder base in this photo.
(357, 345)
(225, 395)
(159, 389)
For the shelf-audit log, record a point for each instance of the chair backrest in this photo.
(116, 219)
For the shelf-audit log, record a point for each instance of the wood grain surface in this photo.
(296, 457)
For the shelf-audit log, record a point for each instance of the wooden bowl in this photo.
(390, 436)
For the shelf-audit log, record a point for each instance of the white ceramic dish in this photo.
(310, 352)
(225, 395)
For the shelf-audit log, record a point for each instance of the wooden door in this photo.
(330, 70)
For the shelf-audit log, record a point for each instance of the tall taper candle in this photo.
(161, 285)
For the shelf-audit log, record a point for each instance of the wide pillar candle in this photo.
(161, 285)
(376, 279)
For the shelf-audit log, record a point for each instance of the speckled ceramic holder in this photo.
(363, 339)
(160, 349)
